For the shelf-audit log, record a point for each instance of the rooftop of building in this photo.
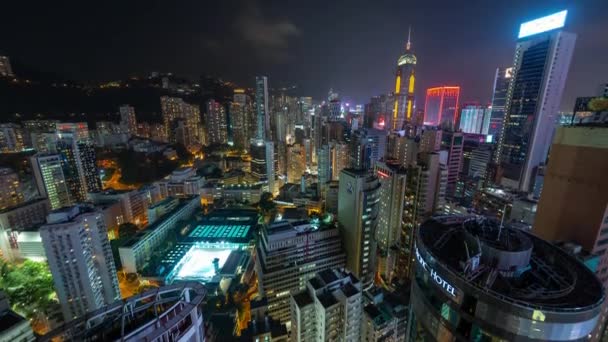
(302, 299)
(510, 264)
(261, 326)
(152, 227)
(23, 205)
(327, 299)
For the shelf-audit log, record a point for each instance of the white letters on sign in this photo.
(436, 277)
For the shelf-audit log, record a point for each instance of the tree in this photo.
(598, 104)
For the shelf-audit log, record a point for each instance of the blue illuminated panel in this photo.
(543, 24)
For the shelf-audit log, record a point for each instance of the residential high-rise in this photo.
(390, 216)
(330, 308)
(215, 123)
(128, 121)
(340, 158)
(5, 67)
(288, 255)
(475, 119)
(404, 87)
(402, 149)
(502, 79)
(425, 194)
(174, 108)
(489, 275)
(453, 143)
(76, 243)
(358, 207)
(296, 163)
(573, 205)
(50, 179)
(11, 194)
(270, 166)
(441, 107)
(87, 166)
(540, 67)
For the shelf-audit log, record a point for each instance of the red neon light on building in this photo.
(441, 106)
(383, 174)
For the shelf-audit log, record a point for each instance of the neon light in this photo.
(411, 86)
(409, 109)
(447, 287)
(395, 115)
(398, 84)
(544, 24)
(382, 174)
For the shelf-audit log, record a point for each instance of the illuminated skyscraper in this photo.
(261, 106)
(441, 107)
(51, 183)
(215, 123)
(358, 206)
(499, 98)
(392, 200)
(404, 87)
(542, 60)
(453, 143)
(76, 243)
(174, 108)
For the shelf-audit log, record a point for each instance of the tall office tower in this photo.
(441, 107)
(296, 163)
(333, 109)
(128, 121)
(257, 151)
(261, 106)
(330, 308)
(573, 205)
(404, 87)
(488, 276)
(5, 67)
(239, 125)
(502, 79)
(288, 255)
(358, 206)
(453, 143)
(368, 145)
(425, 194)
(390, 216)
(402, 149)
(76, 243)
(542, 59)
(475, 119)
(50, 180)
(11, 194)
(430, 140)
(215, 123)
(11, 138)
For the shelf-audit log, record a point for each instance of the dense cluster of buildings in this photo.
(399, 220)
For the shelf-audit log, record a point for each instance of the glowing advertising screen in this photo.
(543, 24)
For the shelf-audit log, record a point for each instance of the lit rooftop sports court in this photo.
(220, 231)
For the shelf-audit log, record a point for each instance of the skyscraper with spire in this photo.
(404, 86)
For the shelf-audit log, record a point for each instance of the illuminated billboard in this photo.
(544, 24)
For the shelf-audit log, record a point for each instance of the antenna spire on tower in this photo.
(409, 36)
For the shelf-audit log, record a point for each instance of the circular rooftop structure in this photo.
(501, 282)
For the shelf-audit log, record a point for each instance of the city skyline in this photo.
(275, 37)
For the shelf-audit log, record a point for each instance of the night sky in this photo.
(351, 45)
